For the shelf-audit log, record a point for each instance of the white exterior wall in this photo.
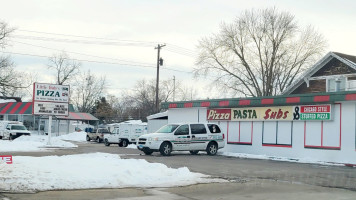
(154, 124)
(181, 115)
(314, 140)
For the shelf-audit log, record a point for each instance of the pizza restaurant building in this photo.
(316, 126)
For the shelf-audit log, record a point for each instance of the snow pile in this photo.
(75, 136)
(274, 158)
(96, 170)
(33, 143)
(7, 100)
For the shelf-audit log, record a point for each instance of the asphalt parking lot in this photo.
(246, 178)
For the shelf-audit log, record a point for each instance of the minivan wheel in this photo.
(212, 149)
(148, 152)
(165, 149)
(125, 143)
(194, 152)
(107, 142)
(12, 137)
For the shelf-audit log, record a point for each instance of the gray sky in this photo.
(132, 28)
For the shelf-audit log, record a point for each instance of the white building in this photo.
(313, 121)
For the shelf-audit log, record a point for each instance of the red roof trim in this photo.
(17, 106)
(205, 104)
(75, 115)
(321, 98)
(244, 102)
(224, 103)
(6, 108)
(172, 105)
(350, 97)
(85, 116)
(23, 110)
(188, 105)
(267, 101)
(292, 99)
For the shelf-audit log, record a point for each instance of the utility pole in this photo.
(174, 87)
(159, 62)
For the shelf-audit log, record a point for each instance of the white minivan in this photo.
(192, 137)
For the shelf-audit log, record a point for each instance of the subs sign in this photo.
(280, 113)
(50, 99)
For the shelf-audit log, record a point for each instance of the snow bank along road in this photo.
(245, 175)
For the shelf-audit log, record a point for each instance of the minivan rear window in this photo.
(213, 128)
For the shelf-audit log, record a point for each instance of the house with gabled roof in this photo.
(334, 72)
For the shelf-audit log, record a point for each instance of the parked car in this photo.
(112, 138)
(97, 134)
(13, 130)
(192, 137)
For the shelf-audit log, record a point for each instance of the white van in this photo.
(125, 133)
(193, 137)
(12, 129)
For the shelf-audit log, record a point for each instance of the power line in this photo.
(52, 39)
(102, 62)
(87, 37)
(83, 54)
(173, 47)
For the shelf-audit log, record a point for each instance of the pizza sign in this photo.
(312, 112)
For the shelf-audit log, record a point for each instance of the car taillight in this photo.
(223, 136)
(102, 135)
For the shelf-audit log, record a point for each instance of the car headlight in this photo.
(153, 139)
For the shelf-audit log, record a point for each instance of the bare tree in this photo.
(64, 67)
(260, 54)
(5, 32)
(10, 80)
(87, 90)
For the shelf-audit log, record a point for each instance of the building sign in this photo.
(281, 113)
(48, 108)
(51, 93)
(50, 99)
(312, 112)
(219, 114)
(7, 159)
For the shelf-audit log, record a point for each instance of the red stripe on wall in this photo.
(292, 99)
(224, 103)
(15, 108)
(321, 98)
(23, 110)
(205, 104)
(267, 101)
(188, 105)
(350, 97)
(244, 102)
(6, 108)
(173, 105)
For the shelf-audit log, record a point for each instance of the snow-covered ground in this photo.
(33, 143)
(222, 152)
(96, 170)
(75, 136)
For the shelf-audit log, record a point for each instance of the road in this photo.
(247, 178)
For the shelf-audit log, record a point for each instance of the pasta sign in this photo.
(280, 113)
